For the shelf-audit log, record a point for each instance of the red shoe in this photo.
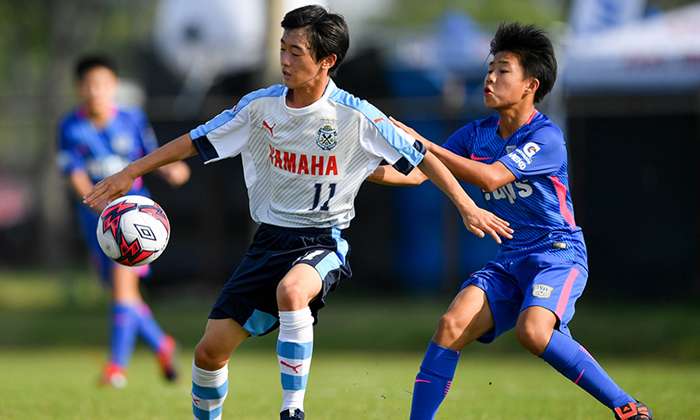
(633, 411)
(167, 358)
(114, 376)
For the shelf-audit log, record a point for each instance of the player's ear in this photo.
(532, 86)
(327, 63)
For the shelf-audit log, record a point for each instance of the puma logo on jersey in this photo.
(510, 191)
(378, 120)
(303, 164)
(266, 125)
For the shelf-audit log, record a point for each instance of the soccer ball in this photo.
(133, 230)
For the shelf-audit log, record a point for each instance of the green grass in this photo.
(61, 384)
(367, 351)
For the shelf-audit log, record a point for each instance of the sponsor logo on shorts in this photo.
(542, 291)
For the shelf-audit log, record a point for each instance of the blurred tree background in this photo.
(39, 42)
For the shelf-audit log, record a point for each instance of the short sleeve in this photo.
(225, 136)
(542, 153)
(67, 158)
(148, 136)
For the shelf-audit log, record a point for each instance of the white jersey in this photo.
(303, 167)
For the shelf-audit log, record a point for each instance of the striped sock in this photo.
(433, 381)
(294, 349)
(570, 359)
(209, 391)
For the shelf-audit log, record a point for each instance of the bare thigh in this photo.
(125, 284)
(301, 285)
(468, 318)
(221, 338)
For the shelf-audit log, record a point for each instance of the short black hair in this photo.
(327, 32)
(90, 61)
(534, 50)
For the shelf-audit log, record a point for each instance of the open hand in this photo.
(479, 222)
(110, 188)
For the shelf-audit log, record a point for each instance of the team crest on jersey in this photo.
(326, 137)
(542, 291)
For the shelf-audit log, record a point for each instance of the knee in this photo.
(207, 358)
(533, 337)
(449, 331)
(291, 296)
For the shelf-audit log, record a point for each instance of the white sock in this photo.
(294, 349)
(209, 390)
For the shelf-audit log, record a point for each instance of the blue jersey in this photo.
(537, 204)
(101, 152)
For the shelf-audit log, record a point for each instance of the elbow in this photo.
(487, 188)
(416, 179)
(490, 184)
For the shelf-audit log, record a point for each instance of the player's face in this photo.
(299, 67)
(97, 89)
(505, 84)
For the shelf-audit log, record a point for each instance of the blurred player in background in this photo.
(306, 148)
(518, 158)
(98, 139)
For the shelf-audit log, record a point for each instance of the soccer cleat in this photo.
(292, 414)
(167, 358)
(633, 411)
(114, 376)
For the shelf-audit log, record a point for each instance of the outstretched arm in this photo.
(175, 174)
(477, 220)
(488, 177)
(117, 185)
(388, 175)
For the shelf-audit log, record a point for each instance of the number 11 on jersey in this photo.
(317, 196)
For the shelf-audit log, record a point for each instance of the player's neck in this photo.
(511, 119)
(305, 95)
(100, 116)
(100, 119)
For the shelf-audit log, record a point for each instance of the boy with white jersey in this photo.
(306, 148)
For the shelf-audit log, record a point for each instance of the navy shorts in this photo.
(250, 296)
(537, 280)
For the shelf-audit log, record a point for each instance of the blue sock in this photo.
(148, 326)
(573, 361)
(124, 328)
(433, 381)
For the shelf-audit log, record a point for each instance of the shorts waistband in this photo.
(307, 231)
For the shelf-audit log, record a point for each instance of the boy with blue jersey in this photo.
(306, 147)
(98, 139)
(518, 158)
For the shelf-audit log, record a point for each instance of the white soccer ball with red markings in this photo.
(133, 230)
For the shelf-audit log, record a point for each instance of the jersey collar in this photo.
(330, 87)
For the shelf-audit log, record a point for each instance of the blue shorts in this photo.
(87, 221)
(250, 296)
(537, 280)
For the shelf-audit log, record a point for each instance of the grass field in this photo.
(366, 356)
